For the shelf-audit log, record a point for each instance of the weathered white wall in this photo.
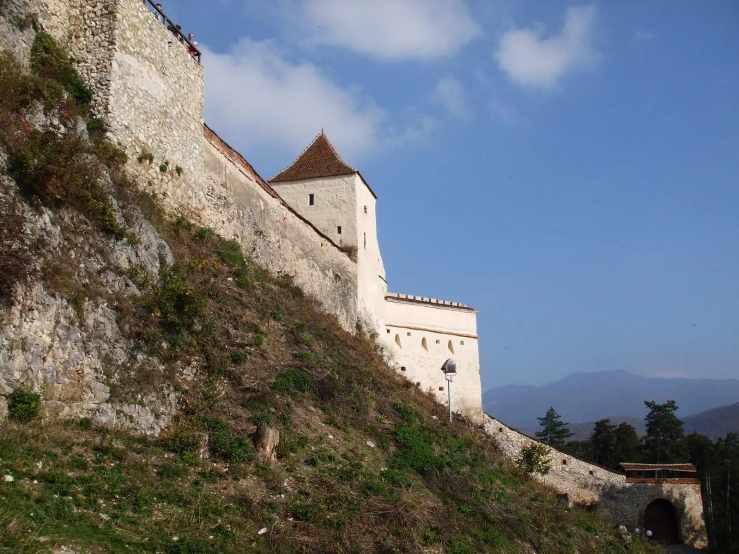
(241, 205)
(335, 204)
(623, 501)
(449, 332)
(372, 283)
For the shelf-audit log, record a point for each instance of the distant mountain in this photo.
(714, 423)
(588, 397)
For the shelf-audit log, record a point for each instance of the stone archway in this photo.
(660, 518)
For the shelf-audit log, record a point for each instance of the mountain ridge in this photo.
(590, 396)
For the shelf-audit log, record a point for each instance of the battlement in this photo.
(424, 300)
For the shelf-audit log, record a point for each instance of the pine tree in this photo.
(663, 443)
(554, 431)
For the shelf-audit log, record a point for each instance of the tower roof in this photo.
(320, 159)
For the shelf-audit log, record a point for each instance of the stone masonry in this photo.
(623, 500)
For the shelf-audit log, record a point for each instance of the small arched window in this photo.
(424, 344)
(451, 347)
(397, 341)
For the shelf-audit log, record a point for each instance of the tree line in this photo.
(665, 442)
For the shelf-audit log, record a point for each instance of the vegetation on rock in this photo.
(366, 461)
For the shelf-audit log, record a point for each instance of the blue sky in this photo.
(570, 169)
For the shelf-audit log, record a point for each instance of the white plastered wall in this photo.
(429, 334)
(335, 204)
(372, 285)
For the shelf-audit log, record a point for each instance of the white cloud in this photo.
(449, 93)
(255, 93)
(388, 29)
(533, 61)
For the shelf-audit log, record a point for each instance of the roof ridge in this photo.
(319, 159)
(333, 149)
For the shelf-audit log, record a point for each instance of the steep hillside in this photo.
(583, 397)
(159, 354)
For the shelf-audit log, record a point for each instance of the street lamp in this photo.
(450, 370)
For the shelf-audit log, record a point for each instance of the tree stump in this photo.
(266, 440)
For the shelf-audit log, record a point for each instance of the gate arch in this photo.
(660, 517)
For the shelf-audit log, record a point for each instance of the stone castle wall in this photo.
(242, 206)
(623, 500)
(156, 102)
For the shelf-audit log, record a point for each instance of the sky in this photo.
(570, 169)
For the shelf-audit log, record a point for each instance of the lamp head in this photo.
(449, 367)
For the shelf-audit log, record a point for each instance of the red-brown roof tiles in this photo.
(320, 159)
(688, 468)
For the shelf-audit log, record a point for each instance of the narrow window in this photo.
(438, 341)
(461, 342)
(450, 346)
(424, 344)
(365, 209)
(388, 331)
(338, 229)
(564, 462)
(402, 368)
(591, 472)
(409, 333)
(365, 240)
(311, 199)
(441, 388)
(500, 429)
(397, 341)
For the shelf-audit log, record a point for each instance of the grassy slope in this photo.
(366, 461)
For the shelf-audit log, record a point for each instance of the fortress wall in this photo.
(623, 500)
(90, 40)
(156, 101)
(409, 323)
(242, 206)
(370, 268)
(584, 482)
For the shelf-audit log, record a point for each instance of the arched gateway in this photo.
(660, 518)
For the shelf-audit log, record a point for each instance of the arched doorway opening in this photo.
(660, 518)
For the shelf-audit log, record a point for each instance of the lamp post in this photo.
(450, 370)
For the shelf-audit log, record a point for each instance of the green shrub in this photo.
(230, 254)
(24, 404)
(239, 357)
(163, 167)
(534, 458)
(417, 452)
(179, 170)
(491, 536)
(204, 233)
(80, 91)
(461, 546)
(259, 337)
(292, 379)
(145, 156)
(50, 61)
(174, 305)
(276, 315)
(223, 444)
(261, 419)
(406, 411)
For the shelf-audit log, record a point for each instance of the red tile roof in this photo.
(688, 468)
(684, 481)
(320, 159)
